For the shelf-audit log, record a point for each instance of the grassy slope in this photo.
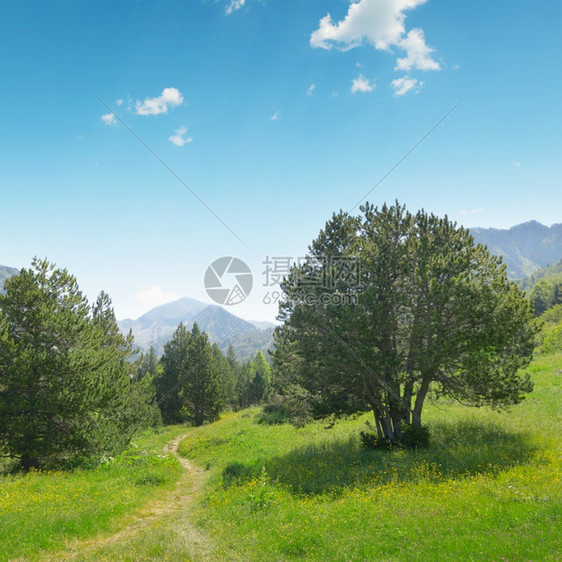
(488, 488)
(43, 510)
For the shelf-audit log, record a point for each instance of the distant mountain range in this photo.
(156, 327)
(525, 248)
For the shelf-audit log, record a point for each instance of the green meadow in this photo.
(488, 488)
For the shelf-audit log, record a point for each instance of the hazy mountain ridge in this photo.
(156, 327)
(525, 247)
(247, 345)
(549, 271)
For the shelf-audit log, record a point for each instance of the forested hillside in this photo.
(247, 345)
(549, 272)
(525, 247)
(544, 287)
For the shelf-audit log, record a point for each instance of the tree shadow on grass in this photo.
(457, 450)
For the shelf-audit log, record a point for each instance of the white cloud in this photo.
(109, 119)
(381, 24)
(362, 84)
(234, 5)
(275, 116)
(405, 84)
(119, 102)
(517, 164)
(418, 54)
(472, 211)
(179, 139)
(311, 89)
(155, 296)
(456, 67)
(169, 98)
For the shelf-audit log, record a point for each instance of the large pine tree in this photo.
(426, 308)
(65, 385)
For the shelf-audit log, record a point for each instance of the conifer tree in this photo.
(65, 384)
(427, 309)
(189, 387)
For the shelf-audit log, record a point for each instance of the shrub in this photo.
(286, 409)
(415, 436)
(150, 478)
(236, 472)
(272, 414)
(370, 442)
(552, 340)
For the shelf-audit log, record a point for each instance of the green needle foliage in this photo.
(65, 384)
(391, 305)
(260, 373)
(189, 387)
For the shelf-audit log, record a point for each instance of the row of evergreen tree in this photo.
(427, 311)
(194, 382)
(69, 385)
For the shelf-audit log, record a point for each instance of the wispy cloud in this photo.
(169, 98)
(472, 211)
(405, 84)
(109, 119)
(311, 89)
(275, 116)
(155, 296)
(179, 138)
(234, 5)
(517, 164)
(119, 102)
(362, 84)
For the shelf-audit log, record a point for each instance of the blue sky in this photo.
(275, 114)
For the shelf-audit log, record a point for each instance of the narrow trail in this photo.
(161, 528)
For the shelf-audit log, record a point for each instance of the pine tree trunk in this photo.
(395, 408)
(420, 398)
(407, 399)
(378, 423)
(387, 426)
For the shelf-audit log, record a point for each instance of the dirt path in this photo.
(172, 447)
(161, 528)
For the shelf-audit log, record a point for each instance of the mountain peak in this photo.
(155, 327)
